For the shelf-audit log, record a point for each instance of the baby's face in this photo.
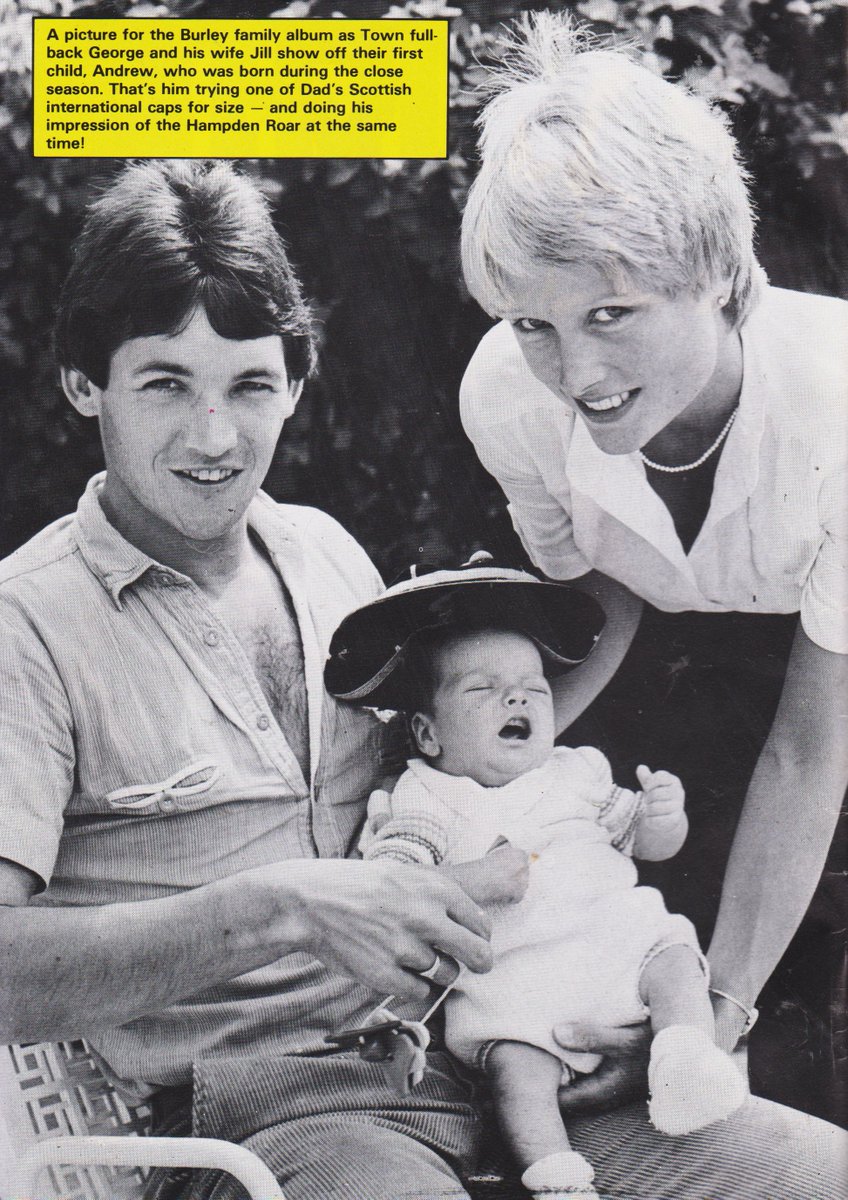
(492, 714)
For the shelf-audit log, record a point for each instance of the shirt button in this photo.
(166, 804)
(211, 638)
(166, 580)
(262, 722)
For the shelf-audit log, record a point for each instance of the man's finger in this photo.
(603, 1039)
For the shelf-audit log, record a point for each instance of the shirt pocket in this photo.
(190, 787)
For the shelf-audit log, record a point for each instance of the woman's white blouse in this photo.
(775, 539)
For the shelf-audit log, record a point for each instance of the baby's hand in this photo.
(664, 796)
(662, 827)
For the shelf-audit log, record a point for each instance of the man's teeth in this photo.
(608, 402)
(210, 474)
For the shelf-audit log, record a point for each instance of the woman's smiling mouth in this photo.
(606, 407)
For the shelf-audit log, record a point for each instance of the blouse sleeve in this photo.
(508, 415)
(824, 598)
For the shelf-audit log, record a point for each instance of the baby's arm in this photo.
(662, 826)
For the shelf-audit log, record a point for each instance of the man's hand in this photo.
(663, 825)
(500, 877)
(622, 1075)
(381, 922)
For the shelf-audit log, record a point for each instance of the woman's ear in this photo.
(424, 734)
(82, 393)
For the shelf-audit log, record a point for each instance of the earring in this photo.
(722, 301)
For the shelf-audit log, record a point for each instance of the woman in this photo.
(667, 429)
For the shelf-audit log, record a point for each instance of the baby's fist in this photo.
(664, 794)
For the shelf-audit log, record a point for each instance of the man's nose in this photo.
(211, 432)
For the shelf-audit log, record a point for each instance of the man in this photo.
(178, 793)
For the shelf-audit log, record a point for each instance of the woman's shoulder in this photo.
(800, 339)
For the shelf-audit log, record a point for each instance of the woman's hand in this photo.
(622, 1075)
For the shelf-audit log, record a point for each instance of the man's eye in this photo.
(609, 315)
(530, 324)
(167, 383)
(253, 388)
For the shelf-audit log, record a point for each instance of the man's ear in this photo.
(425, 738)
(295, 389)
(82, 393)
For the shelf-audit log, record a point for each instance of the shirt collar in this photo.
(118, 564)
(115, 562)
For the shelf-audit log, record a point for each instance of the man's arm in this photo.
(575, 691)
(66, 972)
(785, 829)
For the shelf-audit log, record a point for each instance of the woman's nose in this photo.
(573, 365)
(515, 696)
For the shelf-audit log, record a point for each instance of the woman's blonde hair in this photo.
(590, 157)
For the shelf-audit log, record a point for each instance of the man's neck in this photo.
(212, 564)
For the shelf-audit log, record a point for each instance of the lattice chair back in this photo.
(60, 1117)
(61, 1092)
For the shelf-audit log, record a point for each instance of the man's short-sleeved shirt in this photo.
(775, 537)
(141, 758)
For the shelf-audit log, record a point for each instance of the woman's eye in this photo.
(608, 315)
(529, 325)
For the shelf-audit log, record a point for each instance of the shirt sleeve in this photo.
(38, 758)
(508, 415)
(824, 598)
(619, 809)
(417, 829)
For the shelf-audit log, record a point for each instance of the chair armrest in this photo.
(207, 1153)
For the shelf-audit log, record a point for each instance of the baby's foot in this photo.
(692, 1081)
(563, 1176)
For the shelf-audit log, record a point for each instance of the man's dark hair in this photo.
(165, 238)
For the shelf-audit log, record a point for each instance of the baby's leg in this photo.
(525, 1082)
(692, 1081)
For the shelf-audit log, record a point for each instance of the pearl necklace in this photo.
(698, 461)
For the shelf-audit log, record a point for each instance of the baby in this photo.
(585, 942)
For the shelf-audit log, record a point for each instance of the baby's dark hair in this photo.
(165, 238)
(415, 679)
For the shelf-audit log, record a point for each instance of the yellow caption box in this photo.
(239, 89)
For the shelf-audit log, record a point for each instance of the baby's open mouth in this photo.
(517, 729)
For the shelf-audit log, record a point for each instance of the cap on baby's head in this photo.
(369, 649)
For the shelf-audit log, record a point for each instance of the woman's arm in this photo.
(575, 691)
(785, 829)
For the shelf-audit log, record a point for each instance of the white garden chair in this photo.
(66, 1134)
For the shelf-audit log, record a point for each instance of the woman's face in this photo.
(629, 362)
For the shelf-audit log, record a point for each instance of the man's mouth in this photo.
(517, 729)
(605, 405)
(208, 475)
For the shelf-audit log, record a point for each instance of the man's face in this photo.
(491, 716)
(189, 423)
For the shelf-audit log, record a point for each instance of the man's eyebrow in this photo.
(259, 373)
(166, 368)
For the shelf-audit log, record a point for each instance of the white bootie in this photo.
(563, 1176)
(693, 1083)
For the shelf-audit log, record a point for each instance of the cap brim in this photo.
(368, 646)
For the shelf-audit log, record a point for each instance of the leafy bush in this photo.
(377, 439)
